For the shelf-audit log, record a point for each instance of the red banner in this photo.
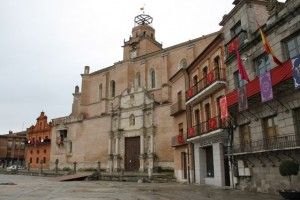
(212, 124)
(180, 139)
(210, 77)
(190, 92)
(223, 107)
(191, 132)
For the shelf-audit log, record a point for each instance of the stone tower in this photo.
(142, 41)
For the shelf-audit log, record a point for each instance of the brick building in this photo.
(38, 144)
(12, 148)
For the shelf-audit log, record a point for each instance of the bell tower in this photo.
(142, 41)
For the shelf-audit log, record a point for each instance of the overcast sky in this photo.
(45, 44)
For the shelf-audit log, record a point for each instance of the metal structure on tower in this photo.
(143, 19)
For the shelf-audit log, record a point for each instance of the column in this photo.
(142, 158)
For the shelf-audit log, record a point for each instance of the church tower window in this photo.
(112, 88)
(152, 78)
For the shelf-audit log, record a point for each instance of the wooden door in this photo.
(132, 153)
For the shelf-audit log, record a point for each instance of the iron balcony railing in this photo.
(178, 140)
(212, 124)
(217, 74)
(177, 108)
(242, 38)
(268, 144)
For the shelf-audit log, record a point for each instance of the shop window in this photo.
(262, 64)
(209, 162)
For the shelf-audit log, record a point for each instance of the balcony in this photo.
(177, 108)
(213, 124)
(213, 81)
(38, 143)
(178, 140)
(268, 144)
(242, 38)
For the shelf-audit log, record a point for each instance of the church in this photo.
(121, 115)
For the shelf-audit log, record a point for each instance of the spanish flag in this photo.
(268, 48)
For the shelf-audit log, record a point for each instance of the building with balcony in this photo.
(38, 143)
(12, 148)
(124, 114)
(207, 134)
(265, 133)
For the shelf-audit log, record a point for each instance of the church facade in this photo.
(122, 114)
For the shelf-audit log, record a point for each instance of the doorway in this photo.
(132, 153)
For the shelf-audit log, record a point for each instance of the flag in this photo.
(296, 71)
(243, 101)
(241, 67)
(266, 90)
(223, 108)
(267, 47)
(212, 124)
(234, 47)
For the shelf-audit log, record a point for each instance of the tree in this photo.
(289, 168)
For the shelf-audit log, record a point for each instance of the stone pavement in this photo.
(41, 188)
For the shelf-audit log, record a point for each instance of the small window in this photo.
(195, 80)
(37, 160)
(152, 78)
(31, 152)
(112, 88)
(236, 29)
(131, 120)
(45, 151)
(38, 151)
(30, 160)
(180, 128)
(70, 146)
(100, 92)
(44, 160)
(138, 79)
(63, 134)
(293, 46)
(262, 64)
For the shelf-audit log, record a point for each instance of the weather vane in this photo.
(143, 19)
(143, 9)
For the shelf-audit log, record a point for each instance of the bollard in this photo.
(56, 166)
(28, 167)
(75, 163)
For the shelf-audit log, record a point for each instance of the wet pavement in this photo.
(42, 188)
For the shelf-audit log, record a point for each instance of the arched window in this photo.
(217, 62)
(131, 120)
(152, 78)
(217, 65)
(100, 92)
(112, 88)
(138, 79)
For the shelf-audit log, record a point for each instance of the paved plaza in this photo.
(41, 188)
